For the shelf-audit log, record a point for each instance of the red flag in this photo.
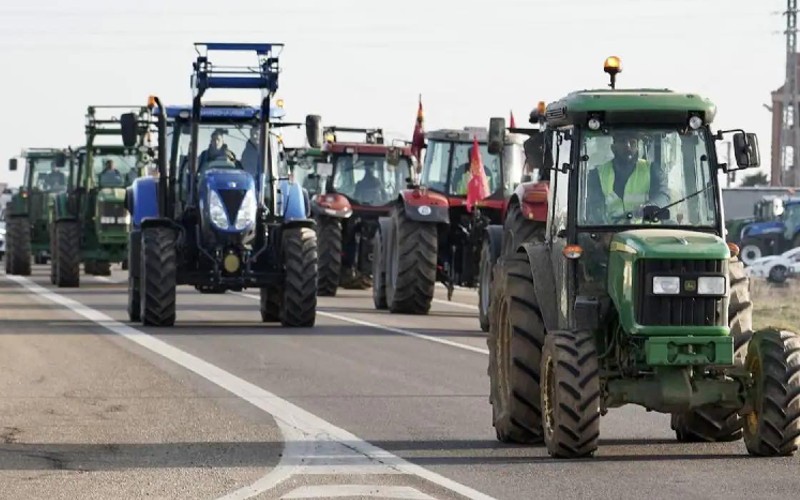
(511, 123)
(478, 185)
(418, 140)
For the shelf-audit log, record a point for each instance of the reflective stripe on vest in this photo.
(636, 192)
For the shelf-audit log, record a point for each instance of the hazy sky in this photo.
(364, 62)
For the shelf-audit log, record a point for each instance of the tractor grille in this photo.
(232, 199)
(685, 309)
(112, 214)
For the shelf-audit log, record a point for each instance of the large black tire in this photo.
(20, 239)
(485, 285)
(330, 255)
(270, 304)
(158, 276)
(570, 394)
(134, 299)
(516, 337)
(68, 241)
(378, 272)
(518, 230)
(714, 424)
(53, 255)
(751, 250)
(773, 428)
(88, 267)
(411, 267)
(102, 268)
(299, 304)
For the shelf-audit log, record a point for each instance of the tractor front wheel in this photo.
(411, 266)
(158, 276)
(20, 238)
(516, 337)
(270, 304)
(330, 255)
(773, 427)
(485, 284)
(68, 252)
(570, 394)
(299, 304)
(518, 230)
(378, 271)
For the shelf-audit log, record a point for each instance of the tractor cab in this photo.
(447, 162)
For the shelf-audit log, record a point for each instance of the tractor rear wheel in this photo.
(570, 394)
(68, 251)
(102, 268)
(773, 427)
(299, 304)
(518, 230)
(53, 255)
(134, 299)
(751, 251)
(330, 255)
(158, 276)
(714, 424)
(379, 271)
(88, 267)
(270, 304)
(485, 284)
(20, 238)
(411, 266)
(516, 337)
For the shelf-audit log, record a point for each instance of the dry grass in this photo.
(776, 306)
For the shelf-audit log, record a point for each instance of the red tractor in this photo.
(430, 235)
(352, 184)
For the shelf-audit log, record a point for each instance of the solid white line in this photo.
(311, 431)
(456, 304)
(392, 329)
(356, 490)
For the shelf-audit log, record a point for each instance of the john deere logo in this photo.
(690, 285)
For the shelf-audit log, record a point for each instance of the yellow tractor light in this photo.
(231, 263)
(612, 66)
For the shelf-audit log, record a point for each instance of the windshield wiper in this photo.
(653, 215)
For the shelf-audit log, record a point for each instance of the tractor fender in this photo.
(293, 202)
(761, 229)
(494, 235)
(142, 200)
(544, 283)
(425, 206)
(331, 205)
(532, 198)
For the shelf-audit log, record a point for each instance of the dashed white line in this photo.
(356, 490)
(309, 438)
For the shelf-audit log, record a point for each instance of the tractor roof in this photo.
(362, 148)
(629, 106)
(41, 152)
(469, 134)
(221, 110)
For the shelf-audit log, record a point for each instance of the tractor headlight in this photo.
(216, 210)
(711, 285)
(666, 285)
(247, 211)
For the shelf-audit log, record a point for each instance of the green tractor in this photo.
(634, 297)
(89, 221)
(26, 213)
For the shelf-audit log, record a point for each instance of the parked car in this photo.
(2, 239)
(776, 268)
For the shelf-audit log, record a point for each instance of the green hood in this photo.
(670, 244)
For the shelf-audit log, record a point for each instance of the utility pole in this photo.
(790, 133)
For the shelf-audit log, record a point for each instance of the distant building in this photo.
(777, 124)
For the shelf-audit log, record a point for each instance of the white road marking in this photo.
(456, 304)
(104, 279)
(392, 329)
(356, 490)
(305, 433)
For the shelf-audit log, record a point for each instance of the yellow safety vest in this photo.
(636, 192)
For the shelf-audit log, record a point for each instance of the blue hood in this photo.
(231, 186)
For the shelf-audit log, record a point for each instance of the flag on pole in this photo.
(478, 185)
(418, 139)
(511, 123)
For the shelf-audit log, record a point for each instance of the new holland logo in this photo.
(690, 285)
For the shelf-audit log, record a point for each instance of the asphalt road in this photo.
(365, 403)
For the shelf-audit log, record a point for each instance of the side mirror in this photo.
(12, 164)
(746, 150)
(497, 133)
(314, 130)
(60, 160)
(129, 124)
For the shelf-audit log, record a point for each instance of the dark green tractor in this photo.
(635, 297)
(89, 221)
(26, 213)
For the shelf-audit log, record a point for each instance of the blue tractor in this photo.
(221, 214)
(777, 229)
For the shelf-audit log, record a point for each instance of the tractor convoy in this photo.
(594, 238)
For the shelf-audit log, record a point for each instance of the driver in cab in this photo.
(217, 151)
(620, 188)
(370, 187)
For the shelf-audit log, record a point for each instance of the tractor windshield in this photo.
(114, 170)
(302, 169)
(447, 162)
(368, 178)
(626, 175)
(46, 176)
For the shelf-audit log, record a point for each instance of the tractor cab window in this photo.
(369, 179)
(628, 176)
(302, 169)
(46, 176)
(791, 217)
(114, 170)
(461, 166)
